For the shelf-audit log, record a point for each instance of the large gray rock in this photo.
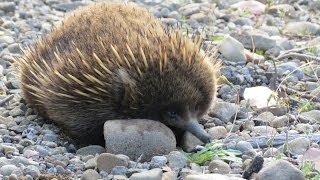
(136, 137)
(280, 170)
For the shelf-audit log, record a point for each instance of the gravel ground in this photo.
(251, 39)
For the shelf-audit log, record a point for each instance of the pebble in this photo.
(244, 146)
(312, 116)
(219, 166)
(6, 39)
(232, 50)
(6, 170)
(138, 136)
(224, 111)
(90, 150)
(154, 174)
(217, 132)
(158, 162)
(255, 39)
(176, 160)
(7, 6)
(107, 162)
(90, 174)
(280, 169)
(302, 28)
(280, 121)
(297, 146)
(32, 171)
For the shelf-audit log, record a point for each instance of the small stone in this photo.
(254, 7)
(90, 150)
(107, 161)
(279, 9)
(312, 116)
(270, 152)
(50, 137)
(90, 174)
(158, 162)
(7, 7)
(311, 86)
(6, 40)
(219, 166)
(210, 177)
(91, 164)
(255, 39)
(280, 170)
(244, 146)
(218, 132)
(154, 174)
(6, 170)
(297, 146)
(119, 170)
(289, 68)
(302, 28)
(68, 6)
(304, 128)
(134, 137)
(224, 111)
(14, 48)
(279, 122)
(176, 160)
(32, 171)
(232, 50)
(264, 130)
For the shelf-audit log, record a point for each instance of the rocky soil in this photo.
(267, 112)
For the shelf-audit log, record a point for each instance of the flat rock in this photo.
(136, 137)
(154, 174)
(280, 170)
(107, 161)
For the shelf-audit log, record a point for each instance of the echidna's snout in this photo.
(187, 122)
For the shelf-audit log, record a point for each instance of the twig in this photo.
(307, 96)
(6, 99)
(302, 57)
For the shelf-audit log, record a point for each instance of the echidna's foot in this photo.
(196, 129)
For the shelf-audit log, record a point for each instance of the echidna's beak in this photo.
(196, 129)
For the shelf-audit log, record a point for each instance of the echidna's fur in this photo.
(116, 61)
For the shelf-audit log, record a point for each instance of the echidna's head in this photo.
(177, 88)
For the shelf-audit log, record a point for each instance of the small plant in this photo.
(213, 149)
(260, 52)
(307, 167)
(304, 106)
(217, 38)
(245, 13)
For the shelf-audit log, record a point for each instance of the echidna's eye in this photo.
(172, 114)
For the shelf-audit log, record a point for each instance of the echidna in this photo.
(116, 61)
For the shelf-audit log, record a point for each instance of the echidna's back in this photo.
(63, 66)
